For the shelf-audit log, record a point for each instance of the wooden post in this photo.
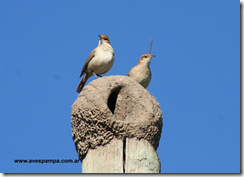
(141, 157)
(104, 159)
(116, 127)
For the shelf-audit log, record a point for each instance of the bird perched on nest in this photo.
(98, 62)
(141, 72)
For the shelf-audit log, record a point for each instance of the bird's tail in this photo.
(82, 82)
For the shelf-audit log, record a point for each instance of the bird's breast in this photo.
(102, 61)
(141, 74)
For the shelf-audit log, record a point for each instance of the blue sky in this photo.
(195, 77)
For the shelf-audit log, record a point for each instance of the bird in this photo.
(99, 61)
(141, 72)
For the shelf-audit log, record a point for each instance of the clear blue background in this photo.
(195, 77)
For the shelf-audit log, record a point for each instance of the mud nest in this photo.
(114, 107)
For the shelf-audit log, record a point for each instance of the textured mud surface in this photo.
(114, 106)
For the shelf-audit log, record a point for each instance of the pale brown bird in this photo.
(99, 61)
(141, 72)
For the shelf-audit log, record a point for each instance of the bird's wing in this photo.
(92, 54)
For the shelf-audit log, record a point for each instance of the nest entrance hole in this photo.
(113, 98)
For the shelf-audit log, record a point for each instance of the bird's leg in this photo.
(94, 74)
(97, 75)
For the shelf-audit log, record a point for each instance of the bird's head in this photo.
(103, 39)
(146, 59)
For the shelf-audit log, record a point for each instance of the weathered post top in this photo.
(115, 108)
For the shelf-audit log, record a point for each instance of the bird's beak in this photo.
(100, 40)
(153, 56)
